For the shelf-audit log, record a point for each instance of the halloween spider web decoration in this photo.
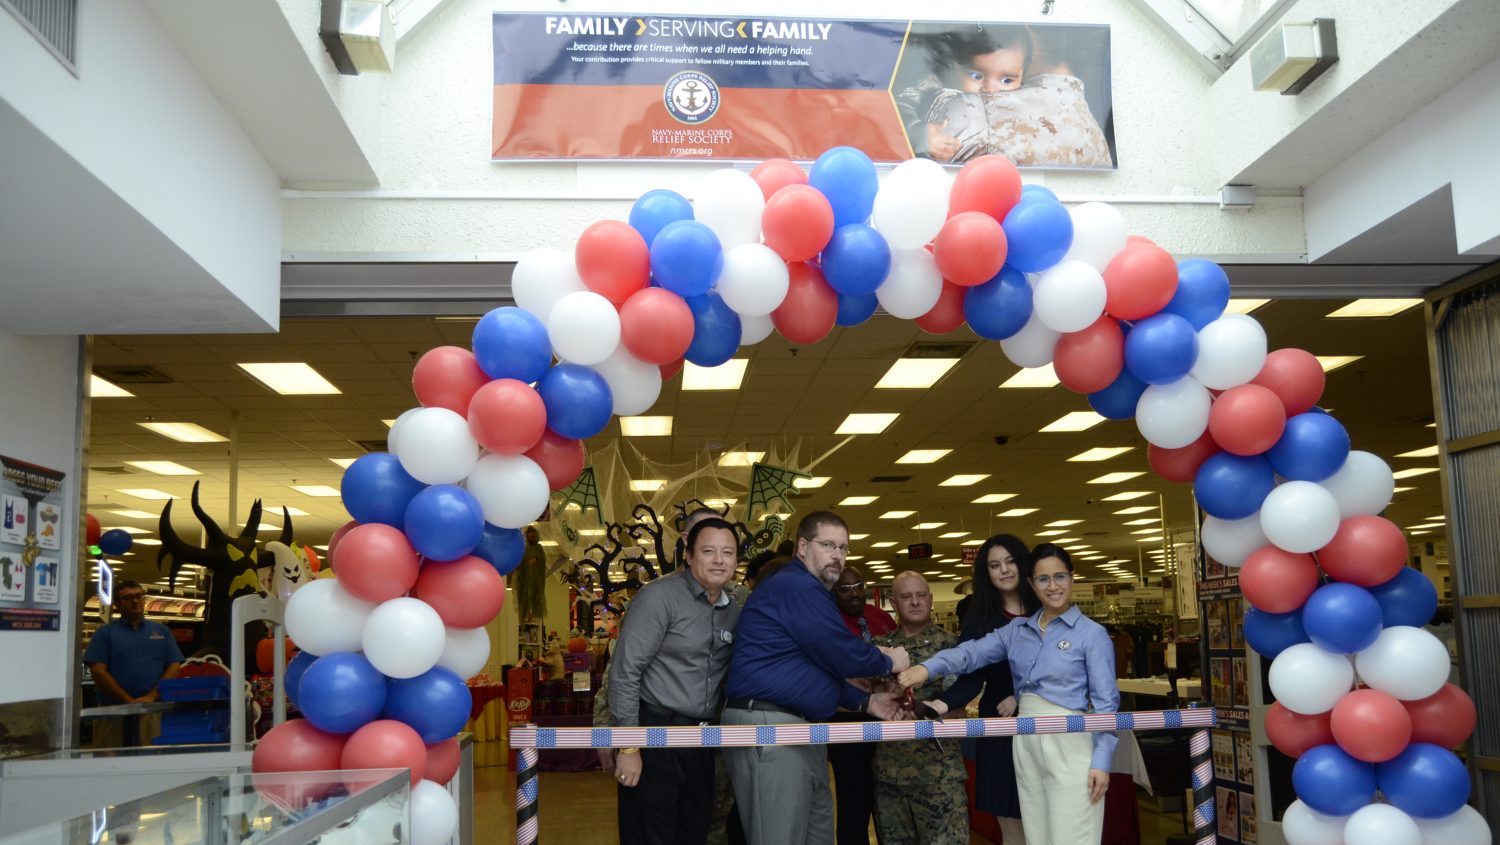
(584, 492)
(769, 485)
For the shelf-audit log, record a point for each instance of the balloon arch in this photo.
(1363, 698)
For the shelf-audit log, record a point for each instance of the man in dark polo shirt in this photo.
(130, 655)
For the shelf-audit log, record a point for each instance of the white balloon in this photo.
(1231, 541)
(1308, 680)
(403, 637)
(395, 432)
(754, 329)
(1407, 663)
(434, 814)
(1302, 825)
(1032, 346)
(920, 170)
(1300, 516)
(511, 489)
(1465, 827)
(1099, 233)
(754, 280)
(1069, 297)
(541, 278)
(730, 203)
(1363, 486)
(466, 651)
(584, 328)
(633, 383)
(1381, 824)
(1231, 351)
(912, 206)
(436, 447)
(1173, 415)
(323, 618)
(913, 285)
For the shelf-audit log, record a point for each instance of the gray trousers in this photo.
(782, 790)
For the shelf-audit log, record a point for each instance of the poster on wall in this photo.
(1228, 690)
(32, 520)
(638, 86)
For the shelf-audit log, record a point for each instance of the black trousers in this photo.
(672, 803)
(853, 785)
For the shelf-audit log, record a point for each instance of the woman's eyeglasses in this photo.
(1045, 581)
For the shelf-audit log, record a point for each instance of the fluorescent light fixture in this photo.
(854, 557)
(951, 535)
(1429, 452)
(1333, 362)
(993, 498)
(1147, 531)
(1135, 509)
(343, 462)
(147, 542)
(923, 456)
(1402, 489)
(858, 500)
(128, 529)
(1418, 533)
(129, 514)
(1438, 518)
(320, 490)
(883, 544)
(1156, 539)
(1413, 472)
(1032, 377)
(933, 572)
(1126, 496)
(1101, 453)
(593, 532)
(858, 536)
(915, 373)
(810, 483)
(291, 379)
(878, 564)
(896, 514)
(1115, 477)
(390, 423)
(102, 389)
(1017, 512)
(964, 480)
(290, 511)
(547, 543)
(1244, 306)
(645, 426)
(1151, 520)
(149, 493)
(1060, 540)
(1425, 526)
(1375, 308)
(866, 423)
(184, 432)
(647, 485)
(267, 527)
(1074, 421)
(719, 503)
(163, 467)
(1053, 533)
(928, 526)
(740, 459)
(726, 376)
(972, 543)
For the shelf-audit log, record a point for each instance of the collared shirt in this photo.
(673, 650)
(1071, 665)
(136, 657)
(877, 623)
(793, 649)
(920, 762)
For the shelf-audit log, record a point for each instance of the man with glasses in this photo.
(853, 785)
(791, 658)
(127, 658)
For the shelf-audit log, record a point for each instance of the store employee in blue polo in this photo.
(130, 655)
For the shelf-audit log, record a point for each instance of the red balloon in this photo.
(613, 260)
(797, 222)
(670, 369)
(1294, 733)
(91, 534)
(810, 308)
(1367, 550)
(990, 185)
(1295, 376)
(1138, 240)
(656, 325)
(385, 744)
(1181, 465)
(466, 593)
(773, 174)
(560, 458)
(507, 416)
(446, 377)
(1246, 420)
(1091, 359)
(1446, 718)
(377, 563)
(338, 537)
(1139, 282)
(443, 759)
(947, 314)
(1370, 725)
(970, 248)
(297, 746)
(1277, 581)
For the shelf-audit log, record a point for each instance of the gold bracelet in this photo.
(627, 751)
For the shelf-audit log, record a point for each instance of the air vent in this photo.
(889, 479)
(371, 445)
(932, 349)
(131, 373)
(52, 22)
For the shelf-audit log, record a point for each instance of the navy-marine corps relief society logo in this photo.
(691, 97)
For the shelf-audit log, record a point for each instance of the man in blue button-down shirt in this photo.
(792, 654)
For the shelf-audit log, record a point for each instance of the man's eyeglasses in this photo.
(850, 589)
(1045, 581)
(830, 546)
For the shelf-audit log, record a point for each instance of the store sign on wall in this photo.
(33, 520)
(653, 87)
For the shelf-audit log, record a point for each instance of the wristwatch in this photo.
(864, 706)
(627, 751)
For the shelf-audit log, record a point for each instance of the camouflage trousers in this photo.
(922, 814)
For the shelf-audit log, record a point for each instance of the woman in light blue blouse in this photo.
(1063, 664)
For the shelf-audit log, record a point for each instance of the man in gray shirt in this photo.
(668, 669)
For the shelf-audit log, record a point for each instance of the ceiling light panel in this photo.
(1101, 453)
(1017, 512)
(866, 423)
(1034, 377)
(1429, 452)
(134, 514)
(915, 373)
(1073, 421)
(1127, 496)
(883, 544)
(102, 389)
(811, 483)
(319, 490)
(928, 526)
(163, 467)
(858, 500)
(1148, 521)
(646, 426)
(148, 493)
(1244, 306)
(923, 456)
(952, 535)
(1063, 523)
(184, 432)
(726, 376)
(1135, 509)
(963, 480)
(647, 485)
(1413, 472)
(1334, 362)
(896, 514)
(292, 378)
(1115, 477)
(740, 459)
(993, 498)
(1374, 308)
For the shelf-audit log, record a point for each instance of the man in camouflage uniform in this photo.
(919, 785)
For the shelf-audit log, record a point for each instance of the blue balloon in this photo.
(377, 489)
(1312, 447)
(115, 542)
(501, 548)
(655, 210)
(716, 331)
(1272, 633)
(294, 672)
(341, 692)
(1038, 232)
(1341, 618)
(1233, 486)
(1330, 781)
(435, 703)
(1030, 191)
(1118, 401)
(856, 309)
(1408, 599)
(686, 258)
(1161, 349)
(847, 178)
(1426, 781)
(444, 522)
(1000, 307)
(856, 260)
(1202, 292)
(511, 343)
(578, 401)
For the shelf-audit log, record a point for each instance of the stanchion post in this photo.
(526, 796)
(1200, 756)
